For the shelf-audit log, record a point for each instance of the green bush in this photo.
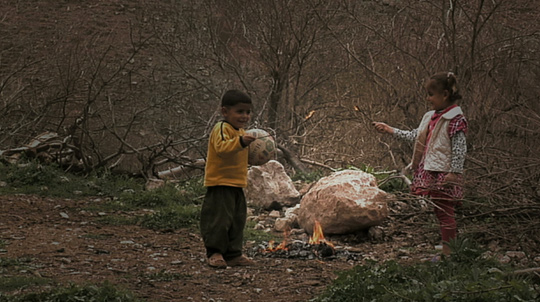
(11, 283)
(172, 218)
(465, 276)
(186, 193)
(104, 293)
(32, 177)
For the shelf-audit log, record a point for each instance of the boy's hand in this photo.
(383, 128)
(247, 139)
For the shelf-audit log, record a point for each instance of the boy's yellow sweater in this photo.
(227, 159)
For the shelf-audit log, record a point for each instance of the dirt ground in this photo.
(63, 241)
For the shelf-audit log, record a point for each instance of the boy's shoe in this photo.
(240, 261)
(217, 261)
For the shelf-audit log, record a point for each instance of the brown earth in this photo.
(64, 241)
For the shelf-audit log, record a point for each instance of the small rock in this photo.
(493, 246)
(494, 270)
(516, 254)
(274, 214)
(504, 259)
(252, 218)
(297, 231)
(282, 224)
(376, 233)
(64, 215)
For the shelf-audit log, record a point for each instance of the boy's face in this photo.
(237, 115)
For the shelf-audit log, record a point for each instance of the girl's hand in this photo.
(452, 179)
(248, 139)
(383, 128)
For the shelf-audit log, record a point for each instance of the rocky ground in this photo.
(61, 239)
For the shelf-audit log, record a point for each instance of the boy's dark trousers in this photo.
(223, 218)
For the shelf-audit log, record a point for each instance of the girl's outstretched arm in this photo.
(383, 128)
(401, 134)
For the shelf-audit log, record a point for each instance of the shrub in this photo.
(104, 293)
(465, 276)
(172, 218)
(32, 177)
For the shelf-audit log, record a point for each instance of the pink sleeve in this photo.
(458, 123)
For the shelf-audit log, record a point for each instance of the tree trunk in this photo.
(293, 160)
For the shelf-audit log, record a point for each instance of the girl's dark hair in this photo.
(447, 81)
(233, 97)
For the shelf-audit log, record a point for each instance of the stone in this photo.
(516, 254)
(292, 215)
(283, 224)
(270, 188)
(344, 202)
(376, 233)
(274, 214)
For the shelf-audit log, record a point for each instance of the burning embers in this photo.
(318, 247)
(318, 236)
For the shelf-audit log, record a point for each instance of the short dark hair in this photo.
(233, 97)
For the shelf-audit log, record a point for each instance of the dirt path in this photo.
(63, 242)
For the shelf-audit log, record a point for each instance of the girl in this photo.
(439, 151)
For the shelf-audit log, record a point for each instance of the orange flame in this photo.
(281, 246)
(318, 236)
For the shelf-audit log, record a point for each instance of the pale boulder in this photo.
(269, 187)
(344, 202)
(288, 222)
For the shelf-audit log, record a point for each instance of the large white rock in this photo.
(344, 202)
(269, 187)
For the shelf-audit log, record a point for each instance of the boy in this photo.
(223, 214)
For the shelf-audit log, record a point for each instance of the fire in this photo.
(318, 236)
(281, 246)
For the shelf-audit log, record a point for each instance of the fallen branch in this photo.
(314, 163)
(526, 271)
(175, 172)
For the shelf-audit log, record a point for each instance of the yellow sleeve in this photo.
(227, 160)
(225, 139)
